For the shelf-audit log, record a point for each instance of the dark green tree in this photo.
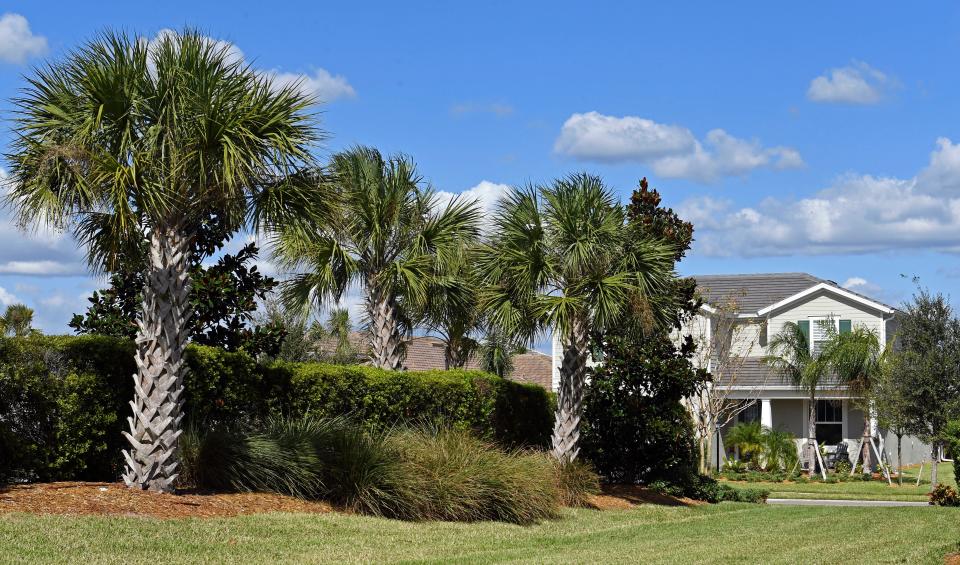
(224, 298)
(928, 368)
(636, 428)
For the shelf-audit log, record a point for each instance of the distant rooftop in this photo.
(756, 291)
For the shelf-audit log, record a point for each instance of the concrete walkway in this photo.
(871, 503)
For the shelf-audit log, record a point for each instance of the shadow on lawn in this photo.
(622, 497)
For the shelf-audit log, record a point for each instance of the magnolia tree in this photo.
(723, 346)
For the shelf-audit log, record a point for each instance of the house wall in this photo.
(788, 416)
(822, 305)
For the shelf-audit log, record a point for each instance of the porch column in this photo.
(766, 416)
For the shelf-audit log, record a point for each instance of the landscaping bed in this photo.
(115, 499)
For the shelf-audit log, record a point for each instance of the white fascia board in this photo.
(827, 288)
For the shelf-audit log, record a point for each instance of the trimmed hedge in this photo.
(64, 401)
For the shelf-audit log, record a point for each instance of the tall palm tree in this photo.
(557, 259)
(17, 320)
(128, 139)
(791, 358)
(392, 237)
(858, 359)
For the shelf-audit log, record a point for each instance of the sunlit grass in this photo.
(724, 533)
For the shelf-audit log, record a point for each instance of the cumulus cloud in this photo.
(672, 151)
(857, 83)
(6, 298)
(862, 286)
(17, 42)
(857, 214)
(486, 194)
(325, 86)
(320, 83)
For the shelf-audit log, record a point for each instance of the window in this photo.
(829, 421)
(820, 332)
(750, 414)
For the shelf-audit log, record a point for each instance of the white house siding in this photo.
(823, 305)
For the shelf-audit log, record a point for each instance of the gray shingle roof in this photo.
(754, 292)
(755, 373)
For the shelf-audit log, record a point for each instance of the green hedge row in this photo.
(64, 401)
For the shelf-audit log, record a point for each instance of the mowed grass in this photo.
(861, 490)
(721, 533)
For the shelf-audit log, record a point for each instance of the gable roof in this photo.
(764, 292)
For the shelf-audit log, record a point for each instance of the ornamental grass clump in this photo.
(464, 478)
(407, 473)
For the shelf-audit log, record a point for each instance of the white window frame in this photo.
(815, 322)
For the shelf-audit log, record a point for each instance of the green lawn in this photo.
(722, 533)
(871, 490)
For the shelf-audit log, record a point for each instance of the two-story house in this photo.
(755, 307)
(760, 305)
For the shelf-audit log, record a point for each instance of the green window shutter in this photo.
(844, 327)
(805, 329)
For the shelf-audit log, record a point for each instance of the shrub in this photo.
(842, 468)
(61, 406)
(944, 495)
(635, 427)
(64, 401)
(707, 489)
(577, 481)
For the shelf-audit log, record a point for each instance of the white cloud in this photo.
(321, 83)
(857, 214)
(862, 286)
(6, 298)
(42, 268)
(17, 42)
(857, 83)
(672, 151)
(486, 194)
(325, 86)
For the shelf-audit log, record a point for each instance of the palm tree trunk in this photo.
(867, 451)
(454, 354)
(153, 462)
(386, 343)
(812, 435)
(573, 374)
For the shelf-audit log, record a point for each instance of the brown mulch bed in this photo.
(115, 499)
(623, 497)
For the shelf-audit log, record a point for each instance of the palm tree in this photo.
(793, 360)
(453, 310)
(392, 237)
(17, 320)
(858, 360)
(127, 140)
(748, 437)
(557, 259)
(496, 352)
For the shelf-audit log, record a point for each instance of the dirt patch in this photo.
(952, 559)
(623, 497)
(115, 499)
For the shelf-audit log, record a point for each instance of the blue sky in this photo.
(814, 136)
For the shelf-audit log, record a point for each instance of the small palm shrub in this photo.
(577, 481)
(748, 438)
(763, 448)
